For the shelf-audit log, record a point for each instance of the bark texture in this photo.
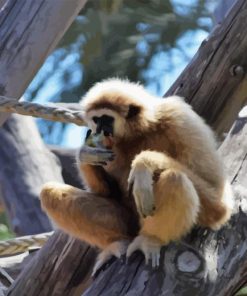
(29, 31)
(215, 82)
(25, 165)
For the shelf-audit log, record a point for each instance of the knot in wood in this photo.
(188, 262)
(237, 71)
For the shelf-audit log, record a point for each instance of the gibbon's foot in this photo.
(141, 182)
(150, 247)
(116, 249)
(95, 156)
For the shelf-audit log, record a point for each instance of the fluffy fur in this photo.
(166, 177)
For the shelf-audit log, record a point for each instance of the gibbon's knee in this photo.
(91, 218)
(177, 207)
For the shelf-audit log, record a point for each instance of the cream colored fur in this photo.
(166, 154)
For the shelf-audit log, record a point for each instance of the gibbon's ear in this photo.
(133, 111)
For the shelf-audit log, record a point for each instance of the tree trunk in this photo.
(205, 258)
(215, 82)
(25, 165)
(62, 267)
(29, 31)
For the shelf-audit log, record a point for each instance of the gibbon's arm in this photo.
(94, 179)
(98, 181)
(90, 161)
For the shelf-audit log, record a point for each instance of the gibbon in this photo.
(151, 170)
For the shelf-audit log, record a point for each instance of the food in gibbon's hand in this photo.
(151, 170)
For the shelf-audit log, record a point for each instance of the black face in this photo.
(105, 124)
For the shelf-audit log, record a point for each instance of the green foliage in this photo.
(5, 232)
(242, 292)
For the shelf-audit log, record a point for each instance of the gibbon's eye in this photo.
(95, 119)
(133, 111)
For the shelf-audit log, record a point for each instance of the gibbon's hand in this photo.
(141, 183)
(95, 156)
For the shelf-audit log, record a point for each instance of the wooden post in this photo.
(29, 31)
(215, 82)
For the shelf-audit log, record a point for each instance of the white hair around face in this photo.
(119, 121)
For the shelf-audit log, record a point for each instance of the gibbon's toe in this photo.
(115, 249)
(149, 246)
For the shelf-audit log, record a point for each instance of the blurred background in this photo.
(150, 41)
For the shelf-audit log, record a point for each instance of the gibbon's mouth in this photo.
(107, 131)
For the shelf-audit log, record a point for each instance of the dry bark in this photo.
(25, 165)
(215, 82)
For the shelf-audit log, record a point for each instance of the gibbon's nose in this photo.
(105, 124)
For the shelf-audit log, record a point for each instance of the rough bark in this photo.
(29, 31)
(215, 82)
(25, 165)
(13, 265)
(62, 267)
(206, 263)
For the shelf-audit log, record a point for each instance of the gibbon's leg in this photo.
(91, 218)
(168, 207)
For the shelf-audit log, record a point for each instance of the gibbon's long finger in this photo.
(150, 247)
(100, 262)
(115, 249)
(143, 192)
(155, 254)
(134, 246)
(92, 155)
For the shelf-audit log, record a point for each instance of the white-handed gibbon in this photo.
(151, 170)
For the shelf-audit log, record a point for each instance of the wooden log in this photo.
(29, 31)
(62, 267)
(205, 263)
(25, 164)
(13, 265)
(215, 81)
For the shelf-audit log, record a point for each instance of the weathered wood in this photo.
(25, 164)
(215, 82)
(13, 265)
(62, 267)
(29, 31)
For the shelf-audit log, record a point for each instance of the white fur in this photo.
(117, 87)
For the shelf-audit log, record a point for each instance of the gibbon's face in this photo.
(105, 121)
